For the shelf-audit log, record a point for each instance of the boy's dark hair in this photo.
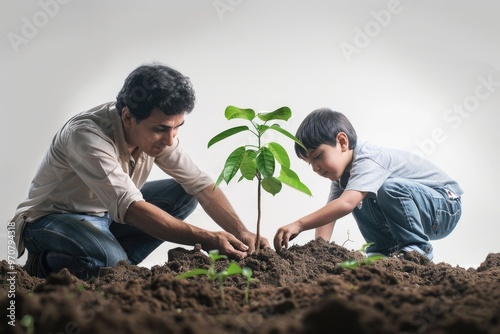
(155, 86)
(322, 127)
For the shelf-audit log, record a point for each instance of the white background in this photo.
(399, 70)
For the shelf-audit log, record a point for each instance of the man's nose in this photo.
(168, 139)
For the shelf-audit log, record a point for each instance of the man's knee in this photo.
(108, 257)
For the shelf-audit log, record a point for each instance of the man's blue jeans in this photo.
(405, 216)
(84, 243)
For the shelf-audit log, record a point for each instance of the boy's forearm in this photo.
(331, 212)
(325, 232)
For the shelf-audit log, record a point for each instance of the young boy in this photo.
(399, 200)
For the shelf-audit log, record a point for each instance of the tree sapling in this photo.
(259, 160)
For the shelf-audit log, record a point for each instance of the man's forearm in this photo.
(217, 206)
(161, 225)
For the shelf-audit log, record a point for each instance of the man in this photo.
(89, 205)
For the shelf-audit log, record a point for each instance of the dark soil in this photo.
(301, 290)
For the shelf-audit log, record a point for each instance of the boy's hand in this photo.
(285, 234)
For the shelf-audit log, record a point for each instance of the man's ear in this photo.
(343, 141)
(126, 117)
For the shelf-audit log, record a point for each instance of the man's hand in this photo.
(227, 244)
(249, 239)
(285, 234)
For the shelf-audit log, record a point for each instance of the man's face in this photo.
(153, 134)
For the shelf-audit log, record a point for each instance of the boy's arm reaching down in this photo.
(331, 212)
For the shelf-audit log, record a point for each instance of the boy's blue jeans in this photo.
(405, 216)
(84, 243)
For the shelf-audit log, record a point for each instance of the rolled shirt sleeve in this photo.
(93, 158)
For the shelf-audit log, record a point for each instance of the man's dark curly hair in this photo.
(155, 86)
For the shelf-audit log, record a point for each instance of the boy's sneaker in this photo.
(412, 255)
(31, 265)
(427, 253)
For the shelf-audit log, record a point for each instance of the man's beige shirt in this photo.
(87, 169)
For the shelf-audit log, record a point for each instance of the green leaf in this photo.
(233, 163)
(194, 272)
(283, 113)
(227, 133)
(214, 255)
(265, 162)
(233, 112)
(278, 128)
(279, 154)
(291, 179)
(248, 167)
(232, 269)
(350, 264)
(272, 185)
(247, 272)
(373, 258)
(364, 247)
(261, 128)
(219, 179)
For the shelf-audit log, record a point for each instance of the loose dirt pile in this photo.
(301, 290)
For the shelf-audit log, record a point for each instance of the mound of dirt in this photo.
(300, 290)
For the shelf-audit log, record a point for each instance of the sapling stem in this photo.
(259, 211)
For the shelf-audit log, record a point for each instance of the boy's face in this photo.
(331, 161)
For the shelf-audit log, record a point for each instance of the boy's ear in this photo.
(343, 140)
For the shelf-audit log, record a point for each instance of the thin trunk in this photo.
(257, 240)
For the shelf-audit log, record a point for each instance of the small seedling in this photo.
(348, 239)
(247, 273)
(28, 322)
(212, 274)
(259, 160)
(351, 264)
